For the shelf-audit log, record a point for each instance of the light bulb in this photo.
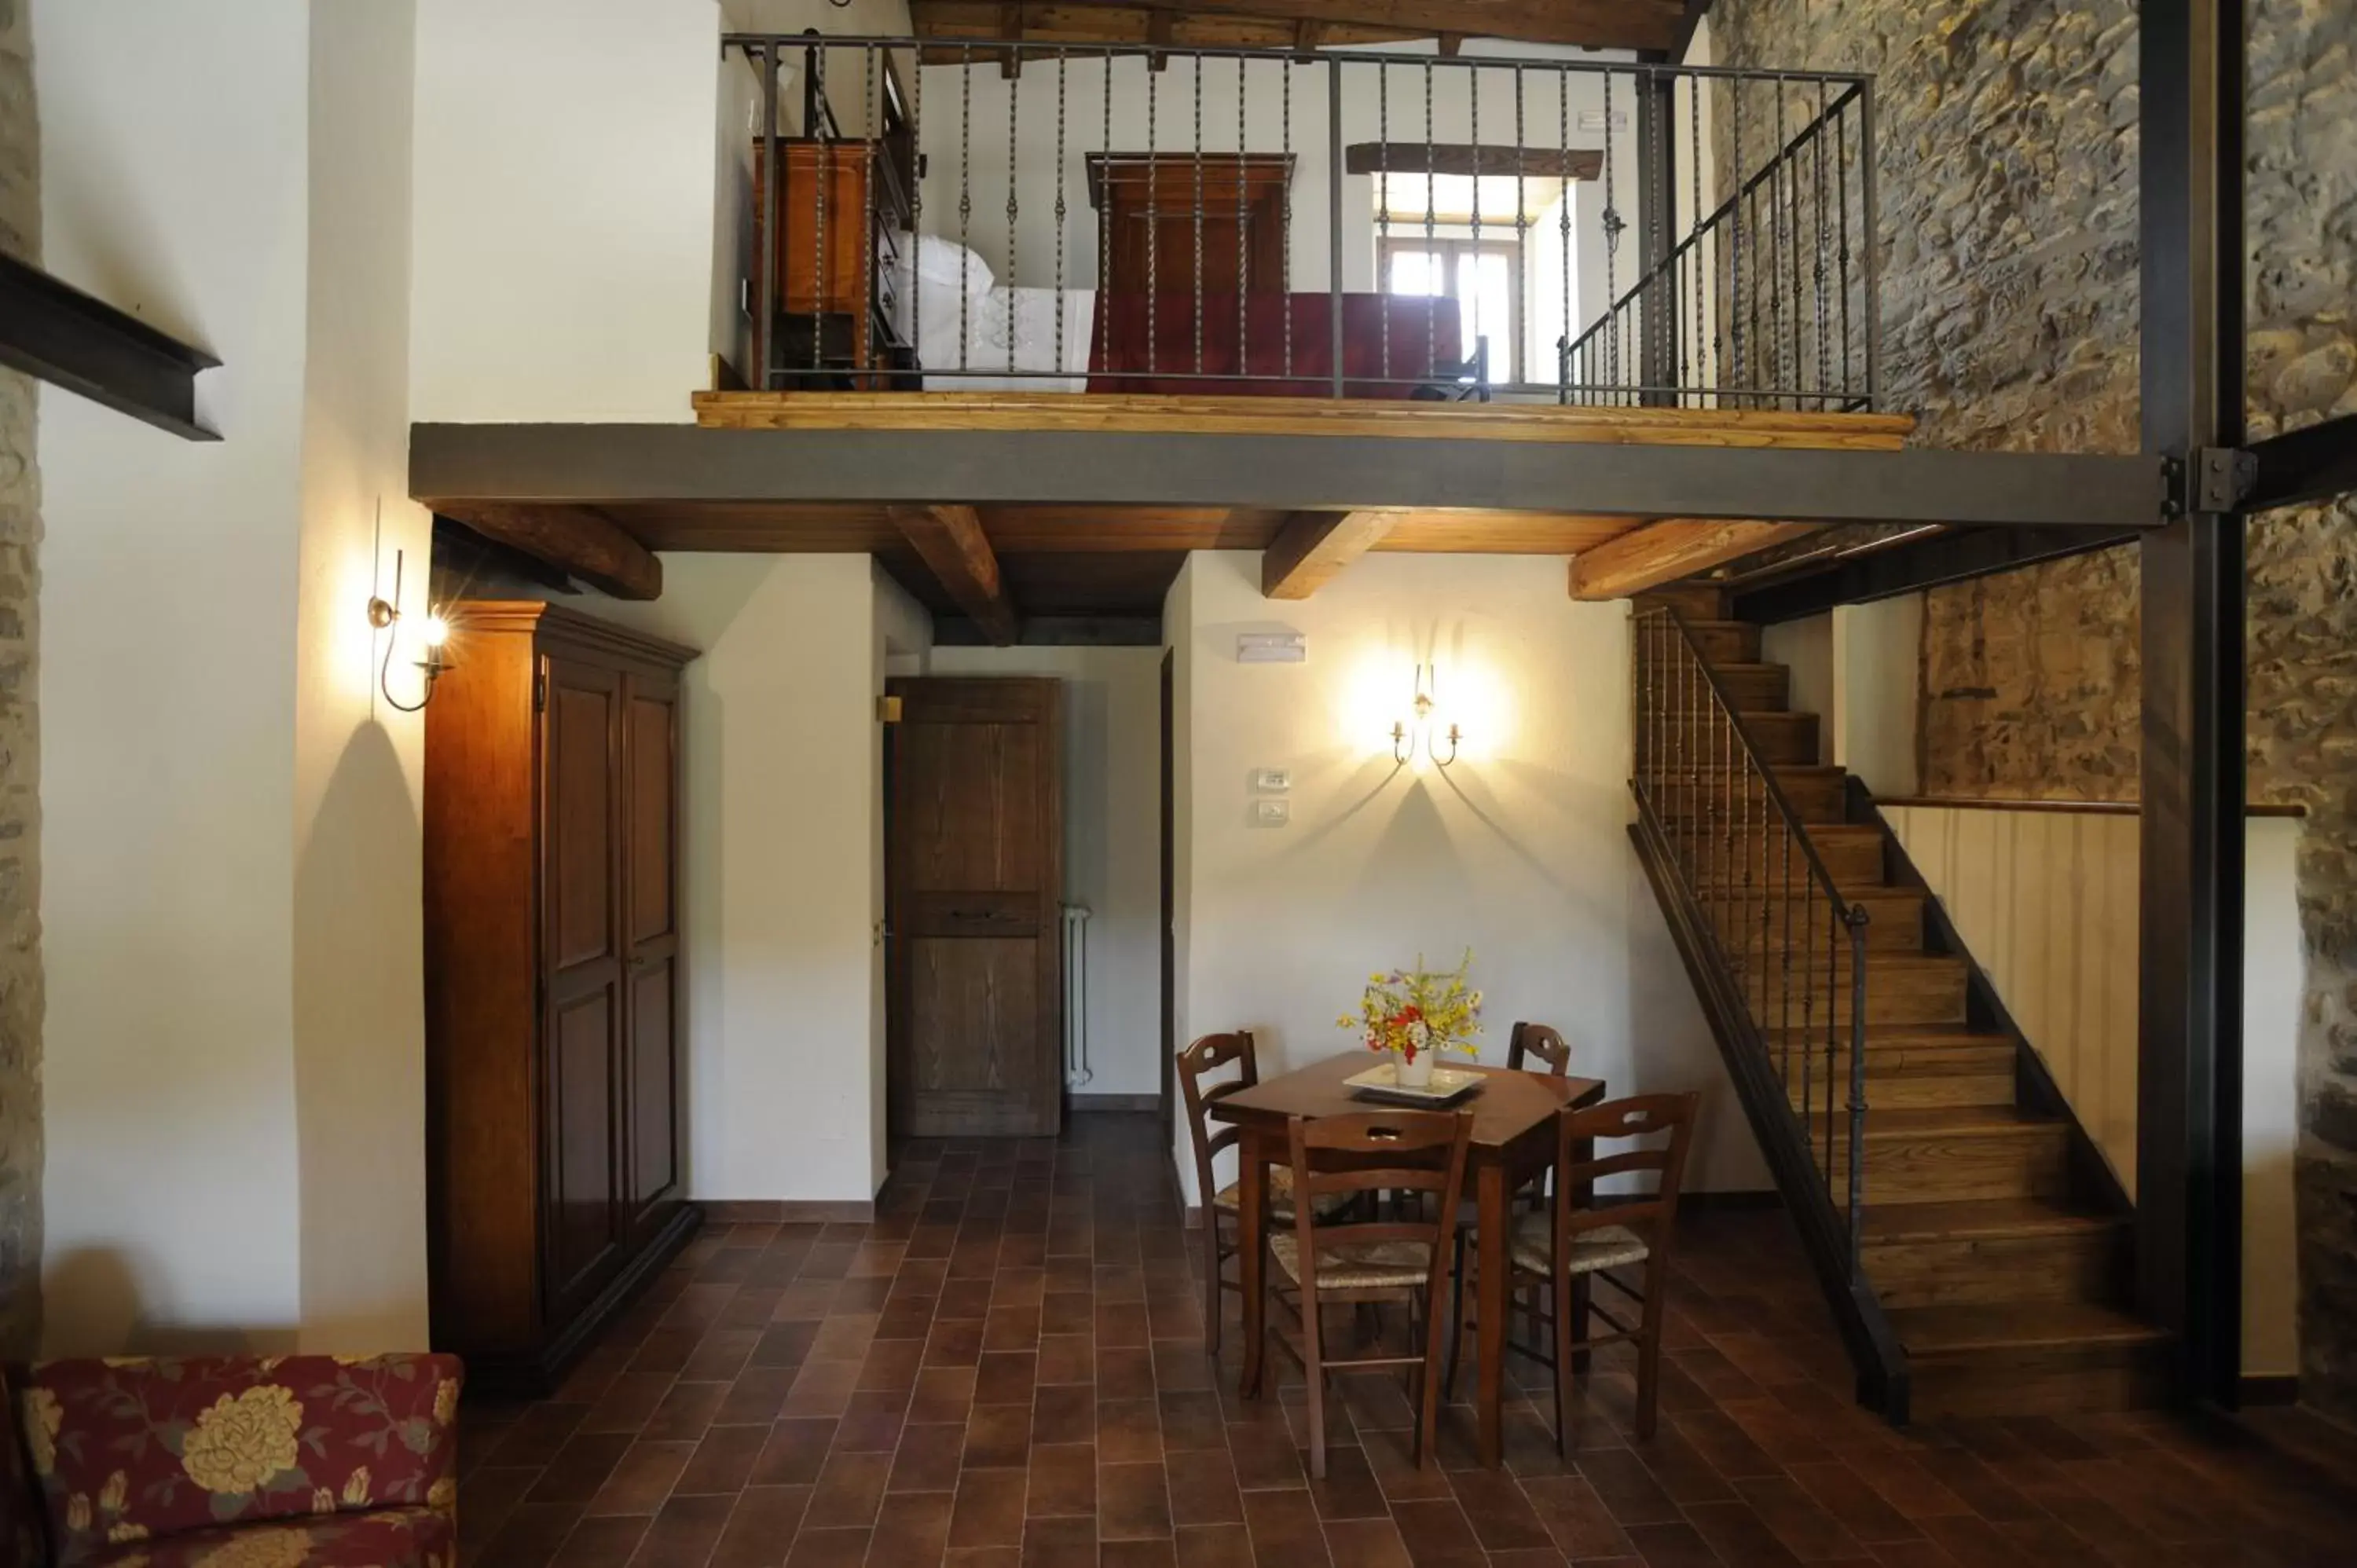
(434, 631)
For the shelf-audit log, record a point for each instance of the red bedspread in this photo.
(1425, 344)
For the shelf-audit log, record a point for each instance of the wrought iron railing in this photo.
(1767, 301)
(1138, 217)
(1794, 948)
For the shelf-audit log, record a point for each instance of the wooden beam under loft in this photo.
(1665, 551)
(951, 542)
(1313, 546)
(579, 541)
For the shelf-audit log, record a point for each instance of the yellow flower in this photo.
(78, 1512)
(41, 1429)
(322, 1500)
(243, 1441)
(120, 1532)
(111, 1495)
(356, 1487)
(445, 1401)
(261, 1549)
(442, 1493)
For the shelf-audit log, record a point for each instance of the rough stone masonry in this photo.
(20, 835)
(2008, 176)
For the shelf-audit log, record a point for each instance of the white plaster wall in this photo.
(168, 641)
(971, 107)
(779, 806)
(1112, 810)
(1805, 647)
(359, 1041)
(1519, 850)
(562, 238)
(2047, 902)
(1877, 661)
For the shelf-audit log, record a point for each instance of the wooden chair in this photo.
(1560, 1250)
(1202, 1057)
(1333, 1255)
(1538, 1041)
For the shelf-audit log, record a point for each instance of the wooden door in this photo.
(651, 1130)
(583, 1003)
(974, 872)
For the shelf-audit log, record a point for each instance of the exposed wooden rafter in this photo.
(951, 542)
(1314, 545)
(580, 541)
(1666, 550)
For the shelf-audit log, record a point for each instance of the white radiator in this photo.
(1076, 996)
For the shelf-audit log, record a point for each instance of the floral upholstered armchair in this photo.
(244, 1461)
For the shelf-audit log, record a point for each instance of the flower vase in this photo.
(1415, 1074)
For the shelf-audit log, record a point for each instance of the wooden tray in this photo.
(1382, 1083)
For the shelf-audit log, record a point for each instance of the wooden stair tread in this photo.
(1981, 1219)
(1954, 1122)
(1940, 1331)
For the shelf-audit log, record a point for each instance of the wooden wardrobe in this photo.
(553, 1137)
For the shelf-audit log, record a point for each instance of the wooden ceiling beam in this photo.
(1665, 551)
(578, 539)
(951, 542)
(1623, 24)
(1314, 545)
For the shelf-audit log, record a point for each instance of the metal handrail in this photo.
(1778, 812)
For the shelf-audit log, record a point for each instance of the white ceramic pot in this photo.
(1416, 1074)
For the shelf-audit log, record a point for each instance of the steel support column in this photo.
(2190, 965)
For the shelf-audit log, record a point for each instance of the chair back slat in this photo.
(1202, 1057)
(1373, 1152)
(1667, 1117)
(1543, 1042)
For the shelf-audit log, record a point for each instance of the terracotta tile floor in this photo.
(1006, 1370)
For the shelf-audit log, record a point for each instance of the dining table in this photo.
(1513, 1141)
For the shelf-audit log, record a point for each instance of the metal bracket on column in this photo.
(62, 335)
(2213, 479)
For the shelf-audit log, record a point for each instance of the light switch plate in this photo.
(1272, 780)
(1271, 813)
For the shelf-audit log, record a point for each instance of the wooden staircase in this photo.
(1994, 1244)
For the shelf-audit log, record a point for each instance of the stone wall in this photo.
(20, 532)
(2008, 180)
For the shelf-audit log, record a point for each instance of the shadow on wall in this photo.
(359, 1052)
(116, 1324)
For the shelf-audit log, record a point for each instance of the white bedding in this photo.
(989, 321)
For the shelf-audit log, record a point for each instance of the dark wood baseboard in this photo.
(537, 1376)
(1083, 1105)
(788, 1211)
(2274, 1388)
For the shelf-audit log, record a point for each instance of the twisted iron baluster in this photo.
(1473, 100)
(916, 212)
(1856, 1087)
(1808, 989)
(1152, 221)
(1285, 281)
(1612, 251)
(1841, 185)
(1735, 224)
(1784, 963)
(867, 198)
(1777, 169)
(825, 193)
(1431, 255)
(1063, 209)
(965, 200)
(1817, 196)
(1103, 331)
(1833, 980)
(1563, 142)
(1244, 362)
(1521, 211)
(1198, 161)
(1384, 206)
(1014, 107)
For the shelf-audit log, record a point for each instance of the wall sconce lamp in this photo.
(1406, 733)
(384, 614)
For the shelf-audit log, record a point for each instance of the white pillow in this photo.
(937, 264)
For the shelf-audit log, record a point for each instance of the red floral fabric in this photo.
(132, 1451)
(401, 1538)
(20, 1507)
